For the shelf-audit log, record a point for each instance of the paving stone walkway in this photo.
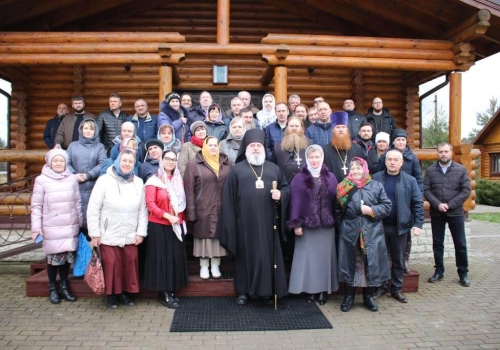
(440, 316)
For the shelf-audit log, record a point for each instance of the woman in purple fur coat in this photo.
(312, 203)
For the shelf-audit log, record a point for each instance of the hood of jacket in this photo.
(91, 140)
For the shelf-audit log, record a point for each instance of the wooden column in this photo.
(165, 81)
(280, 84)
(455, 108)
(223, 22)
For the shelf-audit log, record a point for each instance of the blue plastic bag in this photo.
(83, 255)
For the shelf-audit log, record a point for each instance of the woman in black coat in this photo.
(363, 260)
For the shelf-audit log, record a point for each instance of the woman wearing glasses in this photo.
(166, 263)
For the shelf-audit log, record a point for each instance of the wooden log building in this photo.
(51, 50)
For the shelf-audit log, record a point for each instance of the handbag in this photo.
(94, 276)
(83, 255)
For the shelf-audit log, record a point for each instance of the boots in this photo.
(54, 297)
(368, 299)
(407, 257)
(204, 273)
(349, 293)
(215, 263)
(65, 294)
(167, 299)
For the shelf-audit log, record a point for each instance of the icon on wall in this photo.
(220, 75)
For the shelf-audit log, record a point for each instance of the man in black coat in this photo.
(110, 121)
(355, 119)
(49, 134)
(380, 118)
(407, 217)
(446, 188)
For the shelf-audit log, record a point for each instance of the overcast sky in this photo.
(479, 84)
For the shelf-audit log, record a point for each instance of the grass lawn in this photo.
(490, 217)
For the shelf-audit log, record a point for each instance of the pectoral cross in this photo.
(297, 159)
(345, 169)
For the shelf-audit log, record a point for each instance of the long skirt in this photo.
(208, 248)
(121, 268)
(166, 262)
(314, 265)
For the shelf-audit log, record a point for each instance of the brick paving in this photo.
(440, 316)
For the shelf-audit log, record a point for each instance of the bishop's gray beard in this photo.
(255, 160)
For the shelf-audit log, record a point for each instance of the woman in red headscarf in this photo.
(362, 252)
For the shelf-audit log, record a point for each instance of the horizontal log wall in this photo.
(485, 163)
(251, 21)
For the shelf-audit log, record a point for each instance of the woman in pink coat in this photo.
(56, 217)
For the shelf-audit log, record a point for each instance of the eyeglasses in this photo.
(170, 160)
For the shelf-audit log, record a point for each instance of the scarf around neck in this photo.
(212, 161)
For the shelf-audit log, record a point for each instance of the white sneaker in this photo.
(215, 271)
(204, 273)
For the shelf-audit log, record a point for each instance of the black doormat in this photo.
(211, 314)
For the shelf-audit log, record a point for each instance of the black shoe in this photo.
(125, 299)
(347, 303)
(267, 300)
(64, 292)
(167, 299)
(436, 278)
(379, 293)
(464, 281)
(368, 299)
(112, 301)
(399, 296)
(54, 297)
(242, 299)
(322, 298)
(310, 298)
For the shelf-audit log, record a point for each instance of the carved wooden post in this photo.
(358, 91)
(165, 85)
(78, 80)
(223, 22)
(18, 104)
(455, 108)
(465, 155)
(280, 84)
(412, 122)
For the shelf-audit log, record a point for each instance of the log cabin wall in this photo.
(196, 20)
(485, 165)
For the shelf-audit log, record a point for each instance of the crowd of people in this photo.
(338, 194)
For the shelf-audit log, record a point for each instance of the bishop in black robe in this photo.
(246, 221)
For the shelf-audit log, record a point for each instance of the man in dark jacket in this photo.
(321, 131)
(407, 217)
(355, 119)
(69, 128)
(380, 118)
(274, 132)
(364, 138)
(110, 121)
(49, 134)
(145, 123)
(446, 188)
(200, 112)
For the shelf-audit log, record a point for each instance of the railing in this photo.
(15, 210)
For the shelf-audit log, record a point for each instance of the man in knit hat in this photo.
(247, 217)
(341, 150)
(382, 141)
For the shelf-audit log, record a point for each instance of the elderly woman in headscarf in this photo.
(175, 114)
(166, 261)
(267, 115)
(311, 217)
(363, 260)
(117, 220)
(231, 144)
(166, 135)
(56, 217)
(204, 179)
(190, 149)
(128, 143)
(216, 126)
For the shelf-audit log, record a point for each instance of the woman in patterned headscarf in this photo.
(363, 260)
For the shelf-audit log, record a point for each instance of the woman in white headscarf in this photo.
(267, 115)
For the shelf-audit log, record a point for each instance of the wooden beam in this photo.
(268, 76)
(165, 82)
(417, 78)
(366, 63)
(87, 59)
(90, 37)
(339, 40)
(282, 52)
(22, 156)
(280, 84)
(455, 118)
(481, 15)
(472, 32)
(223, 22)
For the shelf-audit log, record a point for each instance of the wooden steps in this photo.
(36, 285)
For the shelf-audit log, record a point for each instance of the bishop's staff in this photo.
(275, 235)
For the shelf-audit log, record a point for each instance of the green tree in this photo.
(3, 144)
(435, 130)
(482, 118)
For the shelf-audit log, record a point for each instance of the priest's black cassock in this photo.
(334, 160)
(245, 226)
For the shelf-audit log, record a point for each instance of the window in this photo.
(5, 89)
(495, 164)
